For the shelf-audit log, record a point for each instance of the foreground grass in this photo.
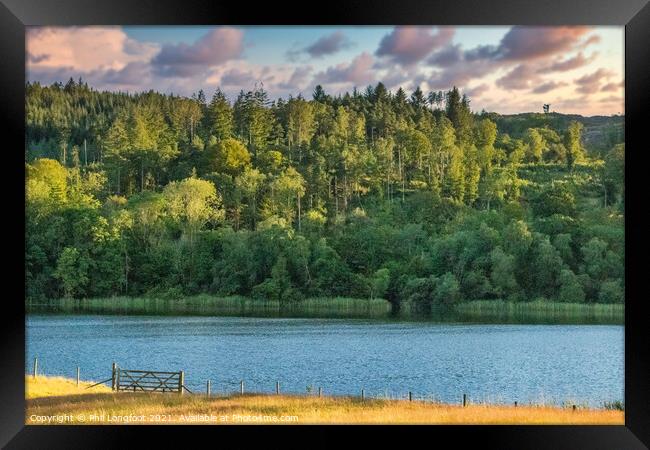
(65, 403)
(44, 386)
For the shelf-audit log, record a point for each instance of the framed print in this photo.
(391, 214)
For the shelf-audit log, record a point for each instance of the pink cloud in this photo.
(184, 60)
(520, 77)
(590, 84)
(297, 80)
(83, 49)
(477, 91)
(569, 64)
(548, 86)
(407, 45)
(523, 42)
(358, 72)
(612, 87)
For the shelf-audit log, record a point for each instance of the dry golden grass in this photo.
(57, 386)
(61, 399)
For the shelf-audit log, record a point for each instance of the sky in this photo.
(576, 69)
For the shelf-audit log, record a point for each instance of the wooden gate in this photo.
(147, 380)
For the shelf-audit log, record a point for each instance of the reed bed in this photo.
(219, 306)
(481, 311)
(540, 311)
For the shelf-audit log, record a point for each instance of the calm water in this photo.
(496, 363)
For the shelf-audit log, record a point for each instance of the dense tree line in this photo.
(368, 194)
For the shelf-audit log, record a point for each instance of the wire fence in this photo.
(227, 388)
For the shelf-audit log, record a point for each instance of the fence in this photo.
(129, 380)
(147, 380)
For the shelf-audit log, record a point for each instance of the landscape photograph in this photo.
(266, 225)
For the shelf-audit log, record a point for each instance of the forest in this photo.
(413, 198)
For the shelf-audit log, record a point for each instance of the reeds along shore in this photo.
(55, 400)
(496, 311)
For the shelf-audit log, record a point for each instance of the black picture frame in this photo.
(15, 15)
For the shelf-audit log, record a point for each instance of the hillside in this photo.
(365, 195)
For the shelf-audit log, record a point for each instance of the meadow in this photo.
(64, 402)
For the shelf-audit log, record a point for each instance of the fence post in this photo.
(277, 387)
(241, 387)
(362, 394)
(113, 377)
(464, 400)
(208, 388)
(77, 376)
(35, 367)
(181, 382)
(320, 392)
(410, 396)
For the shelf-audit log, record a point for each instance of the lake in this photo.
(581, 364)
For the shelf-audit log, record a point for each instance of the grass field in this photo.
(52, 400)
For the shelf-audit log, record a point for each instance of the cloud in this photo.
(593, 39)
(508, 75)
(298, 79)
(83, 49)
(184, 60)
(280, 80)
(525, 43)
(35, 59)
(396, 78)
(520, 77)
(447, 57)
(357, 72)
(530, 50)
(612, 87)
(548, 86)
(611, 99)
(133, 74)
(460, 74)
(569, 64)
(477, 91)
(407, 45)
(590, 84)
(239, 78)
(328, 45)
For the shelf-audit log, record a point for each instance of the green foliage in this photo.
(72, 270)
(555, 198)
(369, 195)
(611, 292)
(573, 144)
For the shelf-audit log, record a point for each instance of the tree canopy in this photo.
(410, 197)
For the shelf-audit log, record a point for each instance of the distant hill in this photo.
(600, 133)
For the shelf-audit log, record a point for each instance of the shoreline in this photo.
(58, 401)
(478, 311)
